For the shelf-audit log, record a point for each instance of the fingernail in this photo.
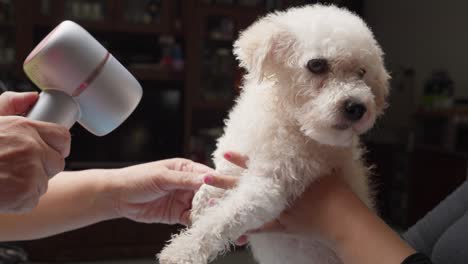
(241, 241)
(227, 156)
(208, 179)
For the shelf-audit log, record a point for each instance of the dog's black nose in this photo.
(354, 111)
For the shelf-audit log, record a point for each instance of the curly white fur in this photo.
(290, 123)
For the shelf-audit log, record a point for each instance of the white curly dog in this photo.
(315, 81)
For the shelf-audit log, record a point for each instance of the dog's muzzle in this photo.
(353, 111)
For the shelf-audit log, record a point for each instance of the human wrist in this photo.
(349, 221)
(357, 233)
(338, 214)
(106, 188)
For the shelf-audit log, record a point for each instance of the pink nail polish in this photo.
(208, 179)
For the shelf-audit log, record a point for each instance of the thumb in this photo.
(181, 180)
(12, 103)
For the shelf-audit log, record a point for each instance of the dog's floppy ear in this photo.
(258, 45)
(383, 88)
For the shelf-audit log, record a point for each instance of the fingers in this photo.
(180, 164)
(12, 103)
(200, 168)
(237, 159)
(185, 218)
(180, 180)
(42, 178)
(242, 240)
(28, 191)
(227, 182)
(53, 161)
(56, 136)
(220, 181)
(26, 205)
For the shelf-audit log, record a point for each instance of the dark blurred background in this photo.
(180, 51)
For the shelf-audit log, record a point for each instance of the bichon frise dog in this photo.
(315, 81)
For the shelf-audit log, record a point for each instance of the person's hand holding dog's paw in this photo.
(160, 191)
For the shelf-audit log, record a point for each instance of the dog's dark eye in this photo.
(317, 66)
(361, 73)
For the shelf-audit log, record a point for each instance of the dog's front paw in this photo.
(183, 250)
(163, 259)
(167, 259)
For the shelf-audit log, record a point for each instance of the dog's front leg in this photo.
(201, 200)
(256, 200)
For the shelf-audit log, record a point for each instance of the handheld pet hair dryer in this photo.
(80, 81)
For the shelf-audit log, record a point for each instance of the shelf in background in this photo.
(7, 66)
(461, 111)
(82, 165)
(146, 29)
(220, 41)
(106, 25)
(221, 105)
(92, 25)
(230, 10)
(157, 75)
(6, 25)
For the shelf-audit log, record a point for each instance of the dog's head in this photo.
(328, 69)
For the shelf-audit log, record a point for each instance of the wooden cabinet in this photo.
(410, 183)
(356, 6)
(214, 76)
(172, 47)
(434, 174)
(116, 239)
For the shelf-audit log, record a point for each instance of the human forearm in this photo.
(330, 210)
(160, 191)
(360, 236)
(73, 200)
